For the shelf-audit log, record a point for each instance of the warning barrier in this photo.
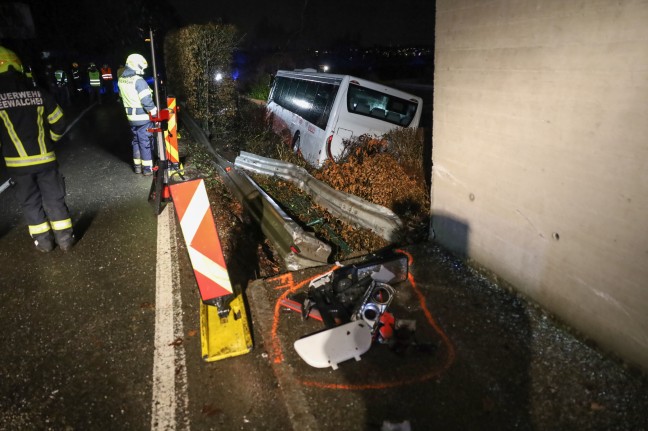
(205, 252)
(224, 338)
(171, 134)
(224, 332)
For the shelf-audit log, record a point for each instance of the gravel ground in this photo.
(569, 383)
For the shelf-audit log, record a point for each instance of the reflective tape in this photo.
(37, 229)
(62, 224)
(16, 162)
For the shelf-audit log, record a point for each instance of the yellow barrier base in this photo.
(177, 169)
(227, 337)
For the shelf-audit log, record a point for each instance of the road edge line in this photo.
(169, 405)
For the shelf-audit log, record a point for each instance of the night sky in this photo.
(115, 26)
(319, 23)
(70, 30)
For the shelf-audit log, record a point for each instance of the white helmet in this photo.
(137, 62)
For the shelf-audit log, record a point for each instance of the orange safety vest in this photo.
(106, 74)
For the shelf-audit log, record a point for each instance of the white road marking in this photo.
(170, 400)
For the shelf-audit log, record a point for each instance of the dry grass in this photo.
(371, 171)
(387, 172)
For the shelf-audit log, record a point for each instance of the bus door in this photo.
(321, 119)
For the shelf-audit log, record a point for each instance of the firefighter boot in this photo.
(44, 242)
(137, 169)
(65, 239)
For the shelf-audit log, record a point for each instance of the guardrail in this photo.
(299, 249)
(350, 208)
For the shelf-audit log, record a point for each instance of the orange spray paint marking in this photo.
(290, 286)
(286, 282)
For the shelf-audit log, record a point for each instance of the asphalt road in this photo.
(107, 336)
(81, 345)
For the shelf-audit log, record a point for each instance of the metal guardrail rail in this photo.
(350, 208)
(299, 249)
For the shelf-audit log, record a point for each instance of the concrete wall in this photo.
(540, 154)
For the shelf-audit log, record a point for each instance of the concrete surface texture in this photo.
(540, 159)
(481, 358)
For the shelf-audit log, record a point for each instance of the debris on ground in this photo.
(502, 362)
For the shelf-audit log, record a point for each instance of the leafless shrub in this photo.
(406, 145)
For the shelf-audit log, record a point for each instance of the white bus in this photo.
(316, 112)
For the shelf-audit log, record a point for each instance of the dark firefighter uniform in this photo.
(137, 98)
(30, 123)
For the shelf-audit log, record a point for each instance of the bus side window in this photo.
(280, 91)
(288, 95)
(322, 104)
(308, 98)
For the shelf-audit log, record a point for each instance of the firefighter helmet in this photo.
(9, 59)
(137, 62)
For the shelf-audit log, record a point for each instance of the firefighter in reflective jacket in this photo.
(62, 90)
(31, 123)
(94, 79)
(77, 81)
(107, 82)
(137, 98)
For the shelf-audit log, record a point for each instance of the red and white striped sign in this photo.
(200, 234)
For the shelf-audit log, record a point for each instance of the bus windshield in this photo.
(375, 104)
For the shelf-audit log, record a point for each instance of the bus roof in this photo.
(332, 78)
(313, 76)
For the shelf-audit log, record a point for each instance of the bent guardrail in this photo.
(299, 249)
(350, 208)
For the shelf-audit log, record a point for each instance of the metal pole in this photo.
(155, 79)
(160, 135)
(159, 186)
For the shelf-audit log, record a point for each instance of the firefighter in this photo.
(107, 82)
(32, 122)
(62, 89)
(77, 81)
(94, 79)
(137, 98)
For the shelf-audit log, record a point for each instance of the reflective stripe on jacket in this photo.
(30, 123)
(136, 96)
(95, 80)
(106, 74)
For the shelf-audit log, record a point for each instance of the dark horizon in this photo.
(298, 24)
